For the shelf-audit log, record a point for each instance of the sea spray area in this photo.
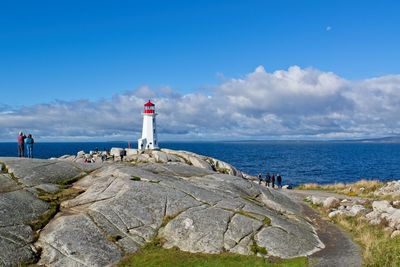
(298, 162)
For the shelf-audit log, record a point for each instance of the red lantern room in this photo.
(149, 108)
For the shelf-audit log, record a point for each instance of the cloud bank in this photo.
(286, 104)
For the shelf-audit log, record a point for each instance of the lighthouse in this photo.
(149, 132)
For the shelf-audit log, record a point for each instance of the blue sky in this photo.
(98, 51)
(91, 49)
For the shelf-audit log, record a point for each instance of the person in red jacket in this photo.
(21, 144)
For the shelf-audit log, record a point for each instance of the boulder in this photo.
(390, 189)
(331, 202)
(335, 213)
(395, 233)
(394, 218)
(373, 215)
(160, 156)
(381, 206)
(316, 200)
(130, 152)
(357, 210)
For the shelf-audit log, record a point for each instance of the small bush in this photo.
(257, 249)
(267, 221)
(135, 178)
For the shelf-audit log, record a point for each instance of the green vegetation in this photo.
(5, 170)
(58, 196)
(44, 218)
(3, 167)
(267, 221)
(54, 199)
(256, 249)
(69, 181)
(135, 178)
(247, 214)
(220, 169)
(154, 255)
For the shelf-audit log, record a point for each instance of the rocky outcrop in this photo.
(383, 212)
(330, 202)
(177, 199)
(21, 209)
(390, 189)
(157, 156)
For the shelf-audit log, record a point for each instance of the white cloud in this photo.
(294, 103)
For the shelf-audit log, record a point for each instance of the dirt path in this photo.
(339, 249)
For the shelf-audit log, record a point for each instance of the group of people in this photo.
(25, 141)
(270, 180)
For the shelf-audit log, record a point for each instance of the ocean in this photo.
(297, 161)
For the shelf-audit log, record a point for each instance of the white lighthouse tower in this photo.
(149, 132)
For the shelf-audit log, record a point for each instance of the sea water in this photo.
(298, 162)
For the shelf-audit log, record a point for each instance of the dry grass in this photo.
(377, 246)
(362, 188)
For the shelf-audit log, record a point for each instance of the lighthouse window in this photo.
(154, 120)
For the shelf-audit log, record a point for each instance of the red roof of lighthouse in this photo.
(149, 104)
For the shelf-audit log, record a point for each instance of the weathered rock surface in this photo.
(384, 213)
(32, 172)
(390, 189)
(125, 205)
(20, 206)
(194, 209)
(330, 202)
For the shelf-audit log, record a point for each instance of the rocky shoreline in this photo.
(377, 212)
(67, 211)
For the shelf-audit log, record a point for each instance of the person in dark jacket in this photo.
(279, 180)
(21, 144)
(29, 145)
(267, 179)
(259, 178)
(273, 180)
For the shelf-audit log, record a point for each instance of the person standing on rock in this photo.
(29, 145)
(21, 144)
(279, 180)
(267, 179)
(259, 178)
(273, 180)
